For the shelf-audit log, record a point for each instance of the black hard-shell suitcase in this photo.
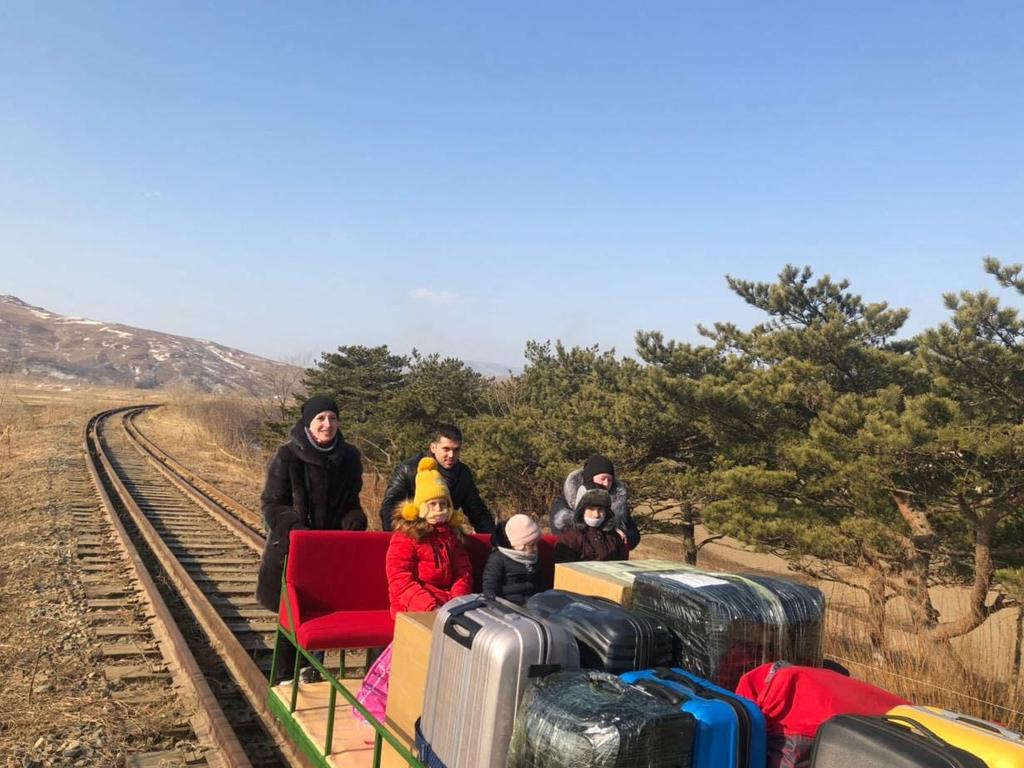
(592, 719)
(856, 741)
(610, 637)
(726, 624)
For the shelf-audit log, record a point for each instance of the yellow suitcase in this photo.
(999, 747)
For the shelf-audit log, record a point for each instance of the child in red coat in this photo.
(427, 564)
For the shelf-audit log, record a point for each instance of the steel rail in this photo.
(187, 486)
(209, 722)
(245, 671)
(197, 486)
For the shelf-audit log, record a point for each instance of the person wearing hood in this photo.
(593, 535)
(511, 571)
(313, 482)
(597, 470)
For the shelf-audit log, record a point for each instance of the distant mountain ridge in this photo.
(37, 342)
(494, 370)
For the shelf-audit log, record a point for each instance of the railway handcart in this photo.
(316, 616)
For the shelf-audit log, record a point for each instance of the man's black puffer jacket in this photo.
(461, 485)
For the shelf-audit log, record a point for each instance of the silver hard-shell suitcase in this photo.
(482, 654)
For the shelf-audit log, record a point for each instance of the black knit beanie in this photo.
(597, 465)
(317, 404)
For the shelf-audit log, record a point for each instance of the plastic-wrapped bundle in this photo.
(588, 718)
(726, 624)
(610, 637)
(805, 619)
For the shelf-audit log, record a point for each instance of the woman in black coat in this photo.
(313, 482)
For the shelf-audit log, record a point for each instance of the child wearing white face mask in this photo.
(593, 536)
(427, 564)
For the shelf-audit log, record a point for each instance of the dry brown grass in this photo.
(52, 692)
(215, 437)
(972, 674)
(928, 674)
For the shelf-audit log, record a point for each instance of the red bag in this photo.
(796, 700)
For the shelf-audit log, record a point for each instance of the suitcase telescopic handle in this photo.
(979, 724)
(664, 673)
(660, 692)
(917, 727)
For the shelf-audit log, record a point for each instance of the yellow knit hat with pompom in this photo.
(429, 485)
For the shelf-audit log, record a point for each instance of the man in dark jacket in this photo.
(445, 448)
(597, 470)
(313, 482)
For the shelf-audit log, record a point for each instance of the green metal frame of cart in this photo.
(319, 753)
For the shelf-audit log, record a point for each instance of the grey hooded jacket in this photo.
(563, 508)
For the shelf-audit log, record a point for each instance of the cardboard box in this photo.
(409, 656)
(389, 758)
(610, 579)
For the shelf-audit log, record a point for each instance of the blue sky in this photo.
(462, 177)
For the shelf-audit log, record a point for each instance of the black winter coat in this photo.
(306, 489)
(461, 485)
(509, 578)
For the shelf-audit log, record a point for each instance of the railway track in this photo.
(194, 553)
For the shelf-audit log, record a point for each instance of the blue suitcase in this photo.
(730, 729)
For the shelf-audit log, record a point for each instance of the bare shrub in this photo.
(229, 422)
(926, 672)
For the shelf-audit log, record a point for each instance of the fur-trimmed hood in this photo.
(563, 508)
(574, 484)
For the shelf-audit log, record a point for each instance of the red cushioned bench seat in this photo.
(346, 629)
(337, 590)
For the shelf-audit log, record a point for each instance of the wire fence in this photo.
(882, 671)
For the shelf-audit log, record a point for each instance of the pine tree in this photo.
(434, 390)
(790, 413)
